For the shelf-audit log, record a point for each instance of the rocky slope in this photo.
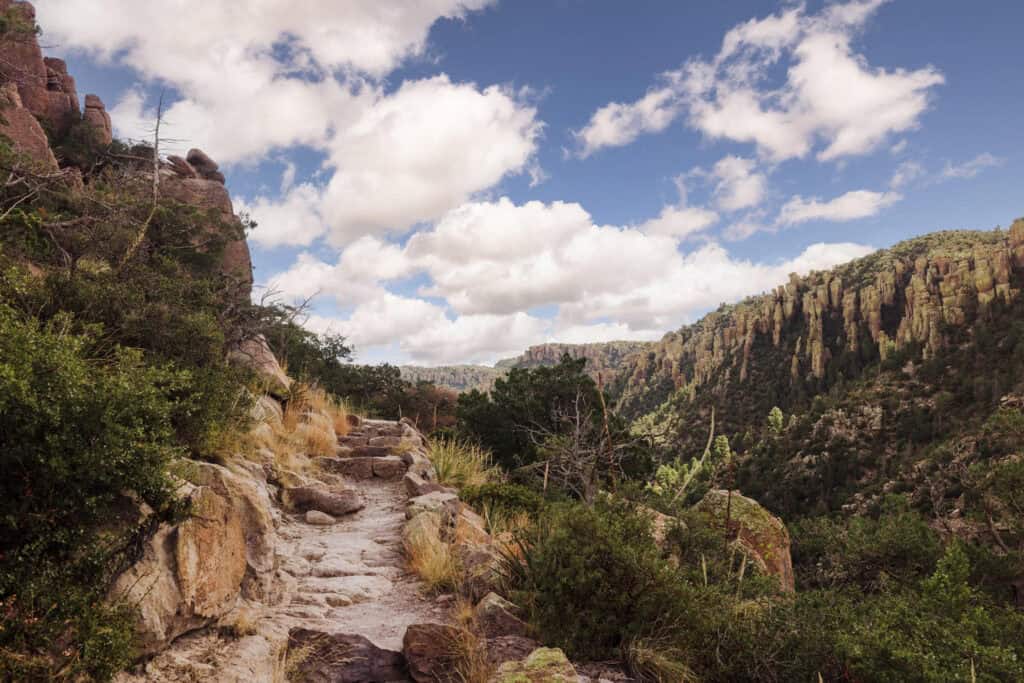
(603, 359)
(800, 337)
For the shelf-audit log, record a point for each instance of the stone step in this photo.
(387, 467)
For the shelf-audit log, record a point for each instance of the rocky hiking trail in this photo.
(344, 597)
(286, 575)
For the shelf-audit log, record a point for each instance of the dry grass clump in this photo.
(309, 427)
(467, 648)
(502, 521)
(655, 662)
(431, 558)
(461, 463)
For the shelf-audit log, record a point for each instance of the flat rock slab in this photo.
(341, 591)
(320, 657)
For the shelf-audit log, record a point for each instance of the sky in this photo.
(452, 181)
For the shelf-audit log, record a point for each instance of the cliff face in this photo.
(916, 295)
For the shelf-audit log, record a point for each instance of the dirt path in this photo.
(351, 575)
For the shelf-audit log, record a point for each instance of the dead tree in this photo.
(579, 453)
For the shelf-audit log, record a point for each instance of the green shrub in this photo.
(869, 554)
(945, 632)
(593, 580)
(81, 430)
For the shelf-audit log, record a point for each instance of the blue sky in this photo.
(455, 180)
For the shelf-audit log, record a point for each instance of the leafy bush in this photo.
(945, 632)
(869, 554)
(593, 580)
(80, 430)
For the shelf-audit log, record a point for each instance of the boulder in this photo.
(204, 166)
(467, 526)
(256, 355)
(543, 665)
(425, 525)
(416, 485)
(428, 652)
(431, 502)
(336, 503)
(496, 617)
(191, 574)
(250, 503)
(318, 657)
(181, 167)
(358, 468)
(480, 567)
(96, 116)
(759, 534)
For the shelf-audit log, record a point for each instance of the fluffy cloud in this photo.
(353, 279)
(423, 150)
(293, 219)
(738, 185)
(616, 124)
(679, 221)
(281, 78)
(488, 263)
(187, 42)
(829, 92)
(847, 207)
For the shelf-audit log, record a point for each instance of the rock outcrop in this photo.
(45, 87)
(760, 535)
(205, 190)
(23, 129)
(96, 116)
(194, 573)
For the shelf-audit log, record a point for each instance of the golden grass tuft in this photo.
(467, 649)
(431, 558)
(309, 427)
(461, 463)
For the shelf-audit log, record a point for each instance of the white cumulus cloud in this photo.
(830, 98)
(846, 207)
